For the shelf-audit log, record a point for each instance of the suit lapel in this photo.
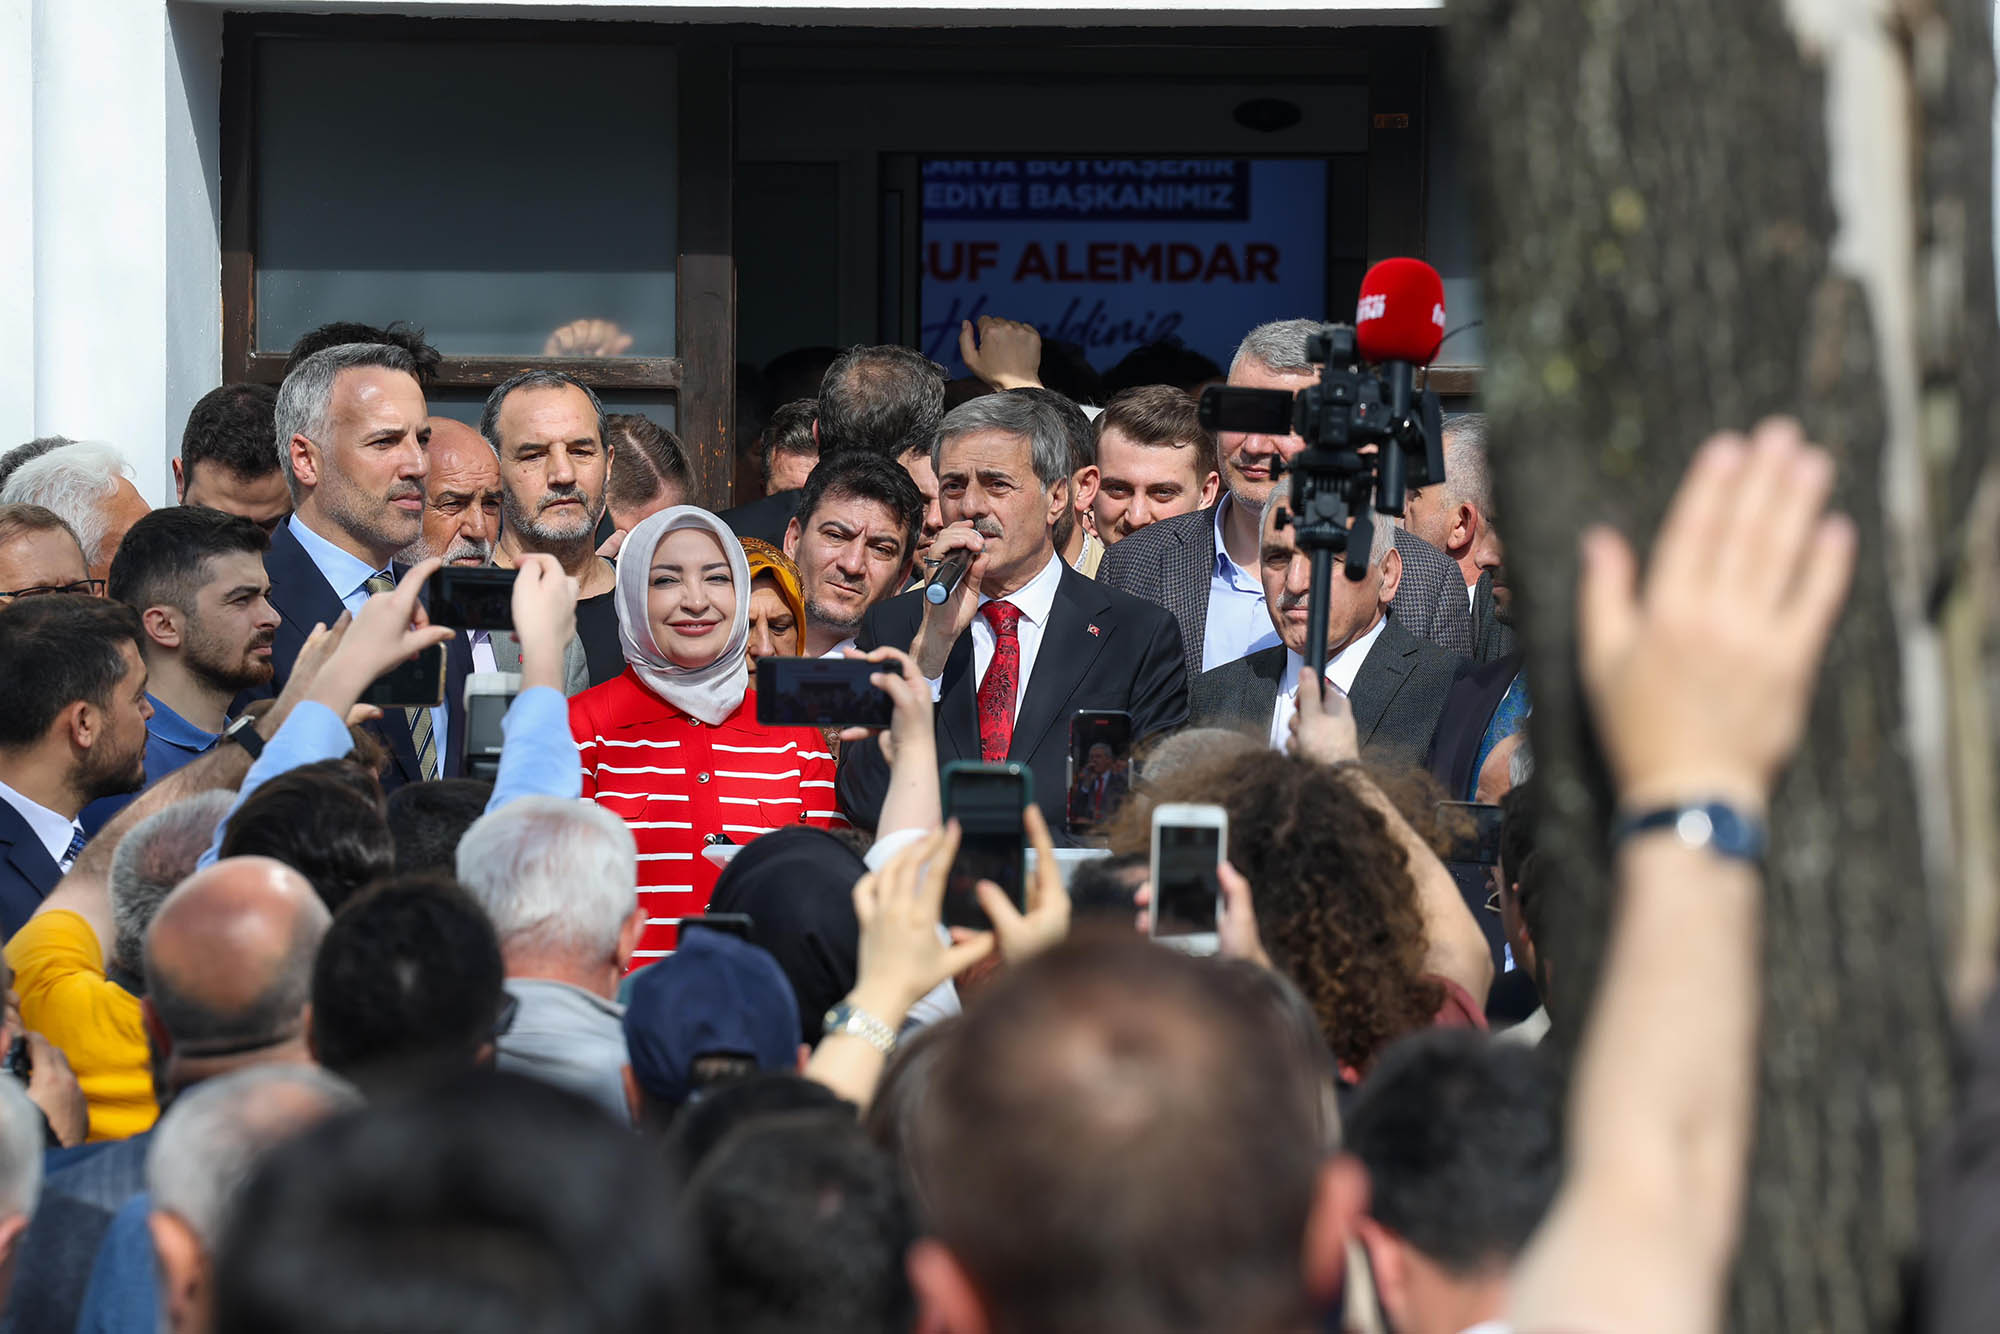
(958, 702)
(25, 852)
(1382, 674)
(1064, 659)
(300, 592)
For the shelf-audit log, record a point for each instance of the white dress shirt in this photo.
(481, 643)
(1341, 669)
(54, 830)
(840, 650)
(348, 575)
(1239, 622)
(1036, 599)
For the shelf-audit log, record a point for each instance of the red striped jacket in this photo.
(674, 780)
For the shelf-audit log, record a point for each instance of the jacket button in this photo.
(701, 778)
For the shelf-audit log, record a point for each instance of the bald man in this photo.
(461, 498)
(229, 961)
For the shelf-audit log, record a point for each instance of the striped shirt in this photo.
(674, 780)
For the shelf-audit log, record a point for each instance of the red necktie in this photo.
(1002, 680)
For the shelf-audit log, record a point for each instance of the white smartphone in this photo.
(1189, 842)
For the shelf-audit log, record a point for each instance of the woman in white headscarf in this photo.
(673, 746)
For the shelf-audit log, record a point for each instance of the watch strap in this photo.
(1715, 826)
(858, 1023)
(244, 733)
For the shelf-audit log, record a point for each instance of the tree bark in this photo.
(1696, 215)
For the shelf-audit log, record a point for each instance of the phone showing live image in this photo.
(1472, 830)
(416, 684)
(1100, 767)
(987, 801)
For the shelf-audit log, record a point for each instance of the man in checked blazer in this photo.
(1396, 683)
(1202, 566)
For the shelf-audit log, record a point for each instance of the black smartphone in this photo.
(822, 692)
(1100, 767)
(736, 924)
(1252, 411)
(987, 801)
(1472, 830)
(471, 597)
(416, 684)
(20, 1060)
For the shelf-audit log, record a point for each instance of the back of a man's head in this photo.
(11, 461)
(155, 855)
(802, 1224)
(790, 432)
(426, 821)
(407, 990)
(555, 877)
(495, 1204)
(398, 334)
(1111, 1142)
(78, 481)
(887, 399)
(649, 464)
(1462, 1140)
(233, 427)
(321, 826)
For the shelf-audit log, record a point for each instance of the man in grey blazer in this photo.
(1396, 682)
(1202, 566)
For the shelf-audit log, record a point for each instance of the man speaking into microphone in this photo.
(1020, 642)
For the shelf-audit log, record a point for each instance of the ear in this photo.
(1464, 527)
(635, 1098)
(305, 460)
(1339, 1200)
(1087, 481)
(1386, 1264)
(1059, 492)
(180, 482)
(1392, 574)
(1211, 487)
(162, 626)
(183, 1271)
(947, 1303)
(815, 435)
(792, 531)
(628, 937)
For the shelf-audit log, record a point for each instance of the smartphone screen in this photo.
(416, 684)
(471, 598)
(1186, 892)
(1473, 831)
(821, 692)
(1100, 767)
(986, 802)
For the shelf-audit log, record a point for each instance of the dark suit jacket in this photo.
(1100, 650)
(765, 518)
(1468, 711)
(1397, 697)
(27, 872)
(1492, 638)
(1170, 563)
(303, 598)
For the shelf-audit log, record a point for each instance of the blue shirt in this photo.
(171, 742)
(124, 1292)
(348, 575)
(1239, 623)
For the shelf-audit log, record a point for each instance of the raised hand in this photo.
(902, 954)
(390, 628)
(544, 608)
(1323, 725)
(1046, 922)
(944, 623)
(1006, 354)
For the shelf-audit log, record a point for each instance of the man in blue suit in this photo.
(352, 431)
(73, 713)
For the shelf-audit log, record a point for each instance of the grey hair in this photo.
(21, 1144)
(1466, 480)
(489, 416)
(211, 1138)
(11, 461)
(1521, 764)
(1278, 346)
(73, 481)
(155, 855)
(306, 396)
(552, 873)
(1382, 534)
(1041, 422)
(1188, 747)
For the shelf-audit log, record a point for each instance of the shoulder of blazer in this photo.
(1161, 541)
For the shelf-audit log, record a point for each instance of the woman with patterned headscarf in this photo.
(777, 603)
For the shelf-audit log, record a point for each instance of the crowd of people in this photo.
(659, 1028)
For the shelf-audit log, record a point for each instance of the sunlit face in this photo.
(774, 631)
(367, 476)
(1246, 459)
(553, 465)
(121, 509)
(850, 555)
(227, 639)
(1141, 484)
(690, 597)
(264, 501)
(1353, 606)
(461, 498)
(40, 558)
(988, 477)
(117, 762)
(917, 463)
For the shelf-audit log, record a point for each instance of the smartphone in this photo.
(1100, 767)
(471, 597)
(987, 801)
(822, 692)
(736, 924)
(416, 684)
(1473, 830)
(1189, 842)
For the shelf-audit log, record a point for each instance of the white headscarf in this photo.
(709, 693)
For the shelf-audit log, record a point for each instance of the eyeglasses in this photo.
(88, 587)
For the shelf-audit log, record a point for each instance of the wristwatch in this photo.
(855, 1022)
(244, 733)
(1716, 826)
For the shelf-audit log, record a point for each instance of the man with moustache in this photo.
(1023, 641)
(195, 576)
(548, 432)
(353, 431)
(461, 513)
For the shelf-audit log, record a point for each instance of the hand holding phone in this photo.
(1473, 830)
(821, 692)
(472, 597)
(987, 801)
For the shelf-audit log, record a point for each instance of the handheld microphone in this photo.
(945, 579)
(1399, 324)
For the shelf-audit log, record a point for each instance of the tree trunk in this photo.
(1696, 215)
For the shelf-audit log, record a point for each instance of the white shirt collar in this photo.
(346, 572)
(1341, 669)
(1037, 597)
(52, 828)
(840, 650)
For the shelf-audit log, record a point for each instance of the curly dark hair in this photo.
(1335, 902)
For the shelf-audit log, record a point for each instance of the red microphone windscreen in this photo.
(1400, 316)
